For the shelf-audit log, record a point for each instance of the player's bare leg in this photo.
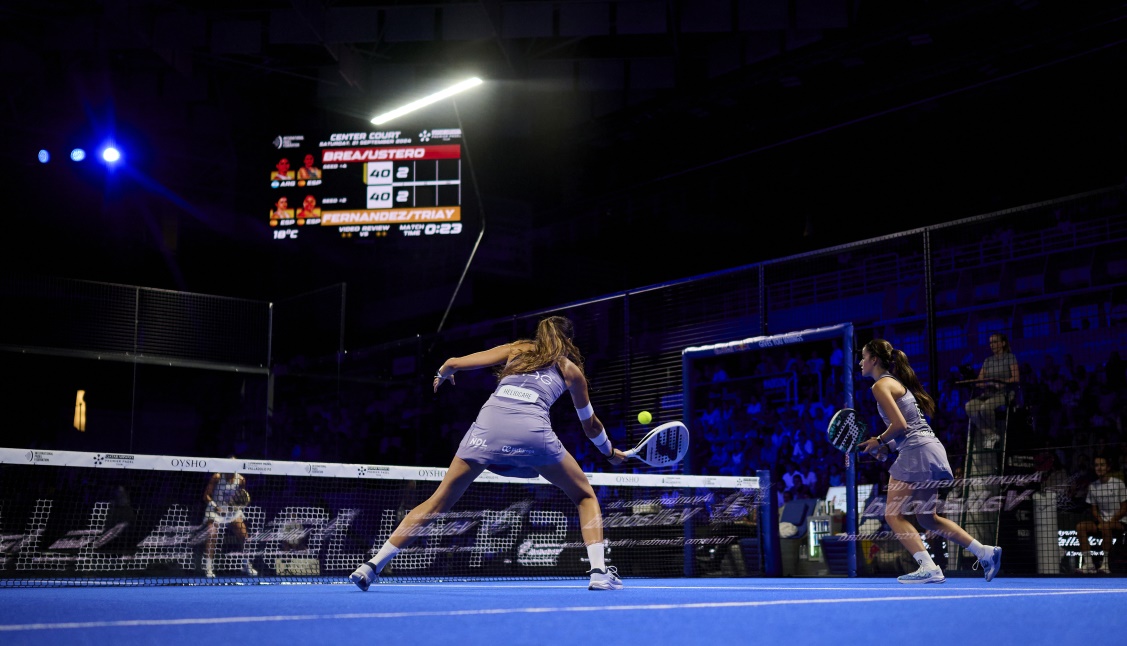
(568, 476)
(458, 478)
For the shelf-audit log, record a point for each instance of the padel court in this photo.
(647, 611)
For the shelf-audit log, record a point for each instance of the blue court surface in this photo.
(647, 612)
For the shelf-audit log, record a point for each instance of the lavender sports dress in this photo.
(922, 456)
(513, 431)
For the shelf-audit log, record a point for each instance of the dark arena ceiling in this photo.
(608, 134)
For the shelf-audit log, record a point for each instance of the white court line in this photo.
(722, 588)
(513, 611)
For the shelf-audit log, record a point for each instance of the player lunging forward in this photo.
(513, 436)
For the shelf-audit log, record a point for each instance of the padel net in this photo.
(77, 518)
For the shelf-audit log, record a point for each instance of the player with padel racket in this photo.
(902, 403)
(513, 436)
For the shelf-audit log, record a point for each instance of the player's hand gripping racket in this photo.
(663, 446)
(847, 430)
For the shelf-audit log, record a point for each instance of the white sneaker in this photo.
(364, 576)
(923, 575)
(605, 579)
(249, 570)
(1089, 567)
(209, 573)
(1104, 569)
(991, 564)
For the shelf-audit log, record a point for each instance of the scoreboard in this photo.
(369, 186)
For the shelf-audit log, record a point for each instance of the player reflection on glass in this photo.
(282, 170)
(512, 436)
(309, 208)
(309, 171)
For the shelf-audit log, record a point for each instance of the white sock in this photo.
(595, 554)
(924, 559)
(386, 553)
(979, 550)
(207, 564)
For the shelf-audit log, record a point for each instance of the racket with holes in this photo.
(847, 430)
(664, 446)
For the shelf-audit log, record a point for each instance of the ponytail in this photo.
(896, 362)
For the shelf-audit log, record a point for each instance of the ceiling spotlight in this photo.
(427, 100)
(44, 156)
(111, 154)
(77, 154)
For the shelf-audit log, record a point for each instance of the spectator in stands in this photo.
(803, 446)
(836, 477)
(837, 364)
(513, 436)
(998, 370)
(792, 476)
(226, 496)
(902, 403)
(1108, 498)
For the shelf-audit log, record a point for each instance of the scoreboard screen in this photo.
(366, 186)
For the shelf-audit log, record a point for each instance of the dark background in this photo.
(615, 144)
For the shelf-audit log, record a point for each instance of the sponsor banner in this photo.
(116, 460)
(202, 465)
(747, 483)
(654, 480)
(421, 473)
(322, 469)
(47, 458)
(489, 476)
(375, 471)
(247, 467)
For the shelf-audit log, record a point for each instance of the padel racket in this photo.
(847, 430)
(663, 446)
(240, 499)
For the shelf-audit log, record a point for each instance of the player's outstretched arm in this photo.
(485, 358)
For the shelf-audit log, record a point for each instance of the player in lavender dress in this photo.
(921, 463)
(513, 436)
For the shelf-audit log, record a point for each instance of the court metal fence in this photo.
(167, 371)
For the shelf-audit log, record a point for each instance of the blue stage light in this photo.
(44, 156)
(78, 154)
(111, 154)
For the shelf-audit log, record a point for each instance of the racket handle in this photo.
(630, 453)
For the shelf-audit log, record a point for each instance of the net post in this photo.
(851, 461)
(851, 513)
(769, 526)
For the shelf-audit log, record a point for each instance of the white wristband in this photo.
(602, 443)
(586, 412)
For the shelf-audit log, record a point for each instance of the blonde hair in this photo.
(551, 345)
